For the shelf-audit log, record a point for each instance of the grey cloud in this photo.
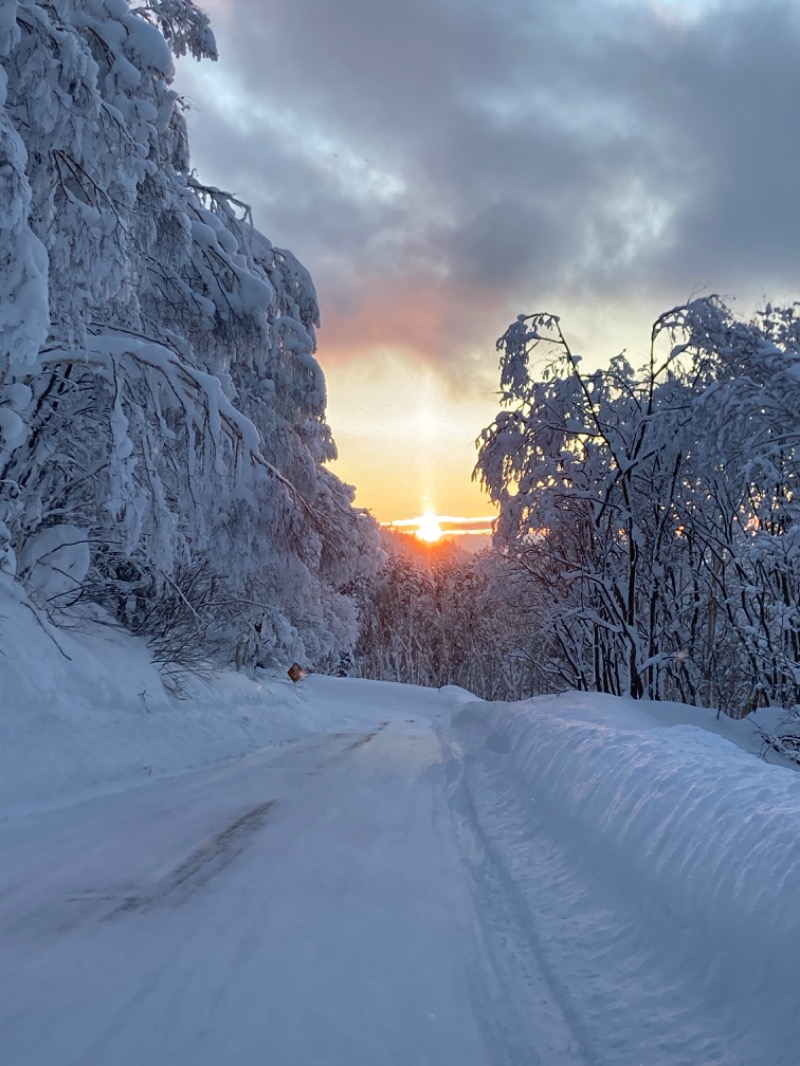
(721, 102)
(497, 155)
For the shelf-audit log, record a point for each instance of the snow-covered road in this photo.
(313, 904)
(431, 880)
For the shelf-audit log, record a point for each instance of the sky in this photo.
(441, 166)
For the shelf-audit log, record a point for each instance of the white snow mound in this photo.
(673, 815)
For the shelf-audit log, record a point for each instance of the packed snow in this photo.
(358, 872)
(84, 710)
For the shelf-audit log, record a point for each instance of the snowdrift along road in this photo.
(655, 870)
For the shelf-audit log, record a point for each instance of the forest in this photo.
(163, 438)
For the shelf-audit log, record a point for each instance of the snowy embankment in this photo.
(83, 711)
(692, 846)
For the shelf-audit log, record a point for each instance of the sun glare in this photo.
(428, 529)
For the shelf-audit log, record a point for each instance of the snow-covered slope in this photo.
(83, 710)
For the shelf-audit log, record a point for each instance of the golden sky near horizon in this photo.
(405, 440)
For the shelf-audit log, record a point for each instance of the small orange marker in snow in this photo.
(296, 672)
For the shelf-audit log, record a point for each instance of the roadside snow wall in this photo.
(677, 817)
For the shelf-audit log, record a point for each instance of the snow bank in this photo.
(672, 815)
(83, 710)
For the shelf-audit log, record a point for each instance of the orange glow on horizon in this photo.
(425, 436)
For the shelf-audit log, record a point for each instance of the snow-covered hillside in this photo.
(403, 874)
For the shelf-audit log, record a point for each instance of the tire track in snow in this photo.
(366, 738)
(211, 857)
(204, 863)
(207, 860)
(527, 1011)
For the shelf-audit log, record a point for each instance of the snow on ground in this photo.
(658, 868)
(361, 872)
(302, 905)
(84, 711)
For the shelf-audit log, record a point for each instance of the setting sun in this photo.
(428, 528)
(431, 528)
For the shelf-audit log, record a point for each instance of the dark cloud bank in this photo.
(442, 164)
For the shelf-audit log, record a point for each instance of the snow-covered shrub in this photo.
(55, 561)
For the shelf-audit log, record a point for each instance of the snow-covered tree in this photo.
(652, 513)
(159, 395)
(436, 616)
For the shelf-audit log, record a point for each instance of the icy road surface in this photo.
(321, 903)
(424, 879)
